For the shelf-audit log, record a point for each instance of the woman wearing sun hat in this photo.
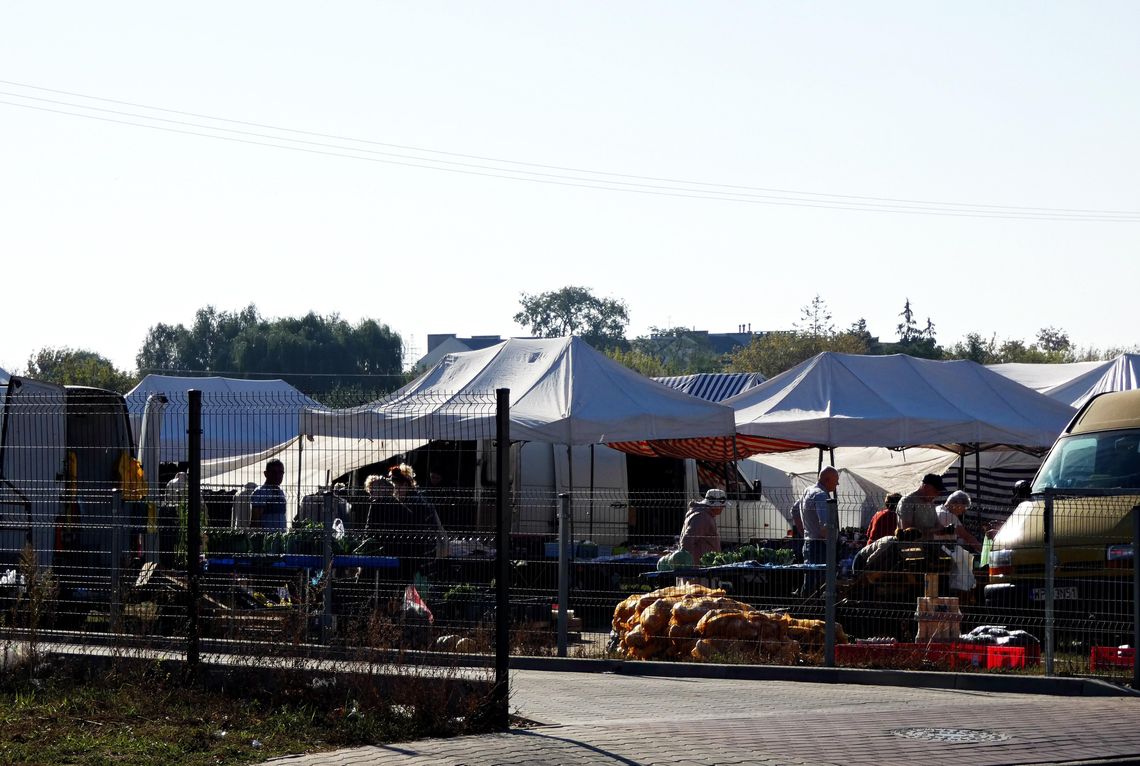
(699, 534)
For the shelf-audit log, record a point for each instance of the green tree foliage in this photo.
(74, 367)
(975, 348)
(1053, 340)
(679, 350)
(601, 322)
(859, 330)
(638, 361)
(321, 355)
(775, 352)
(914, 340)
(1052, 347)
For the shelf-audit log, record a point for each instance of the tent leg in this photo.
(977, 473)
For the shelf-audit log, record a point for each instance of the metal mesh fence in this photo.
(380, 536)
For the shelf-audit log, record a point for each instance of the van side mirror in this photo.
(1021, 490)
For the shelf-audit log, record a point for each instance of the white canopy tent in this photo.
(849, 400)
(1076, 382)
(562, 391)
(239, 417)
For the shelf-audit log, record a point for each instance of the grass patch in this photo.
(144, 715)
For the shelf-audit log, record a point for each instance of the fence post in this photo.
(563, 569)
(832, 582)
(116, 555)
(193, 527)
(1050, 566)
(1136, 597)
(500, 695)
(327, 568)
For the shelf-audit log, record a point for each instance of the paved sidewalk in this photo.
(608, 718)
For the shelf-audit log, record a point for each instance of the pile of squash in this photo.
(693, 622)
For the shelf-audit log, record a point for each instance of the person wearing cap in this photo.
(917, 510)
(814, 515)
(699, 534)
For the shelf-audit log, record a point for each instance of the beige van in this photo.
(1099, 450)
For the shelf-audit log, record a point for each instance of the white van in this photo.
(62, 450)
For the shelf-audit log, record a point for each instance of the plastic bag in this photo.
(962, 578)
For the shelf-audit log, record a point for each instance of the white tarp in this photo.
(898, 401)
(562, 391)
(239, 417)
(782, 485)
(1076, 382)
(890, 470)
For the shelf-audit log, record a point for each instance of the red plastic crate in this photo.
(1005, 657)
(1106, 657)
(970, 656)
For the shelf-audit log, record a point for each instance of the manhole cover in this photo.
(951, 735)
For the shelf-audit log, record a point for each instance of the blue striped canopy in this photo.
(713, 386)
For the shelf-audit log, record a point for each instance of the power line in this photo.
(586, 179)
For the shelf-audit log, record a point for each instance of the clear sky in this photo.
(712, 164)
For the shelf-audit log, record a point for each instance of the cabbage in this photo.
(680, 558)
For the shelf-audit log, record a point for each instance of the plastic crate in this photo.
(1005, 657)
(1107, 657)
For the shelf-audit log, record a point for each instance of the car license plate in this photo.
(1066, 593)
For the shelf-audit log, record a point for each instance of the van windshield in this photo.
(1103, 460)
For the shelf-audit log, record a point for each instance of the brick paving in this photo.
(607, 718)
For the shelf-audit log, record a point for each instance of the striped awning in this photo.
(716, 449)
(713, 386)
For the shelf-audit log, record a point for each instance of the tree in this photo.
(928, 331)
(601, 322)
(321, 355)
(858, 329)
(774, 352)
(678, 351)
(908, 330)
(639, 361)
(974, 348)
(815, 319)
(1053, 339)
(74, 367)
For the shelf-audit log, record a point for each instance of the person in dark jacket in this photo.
(412, 519)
